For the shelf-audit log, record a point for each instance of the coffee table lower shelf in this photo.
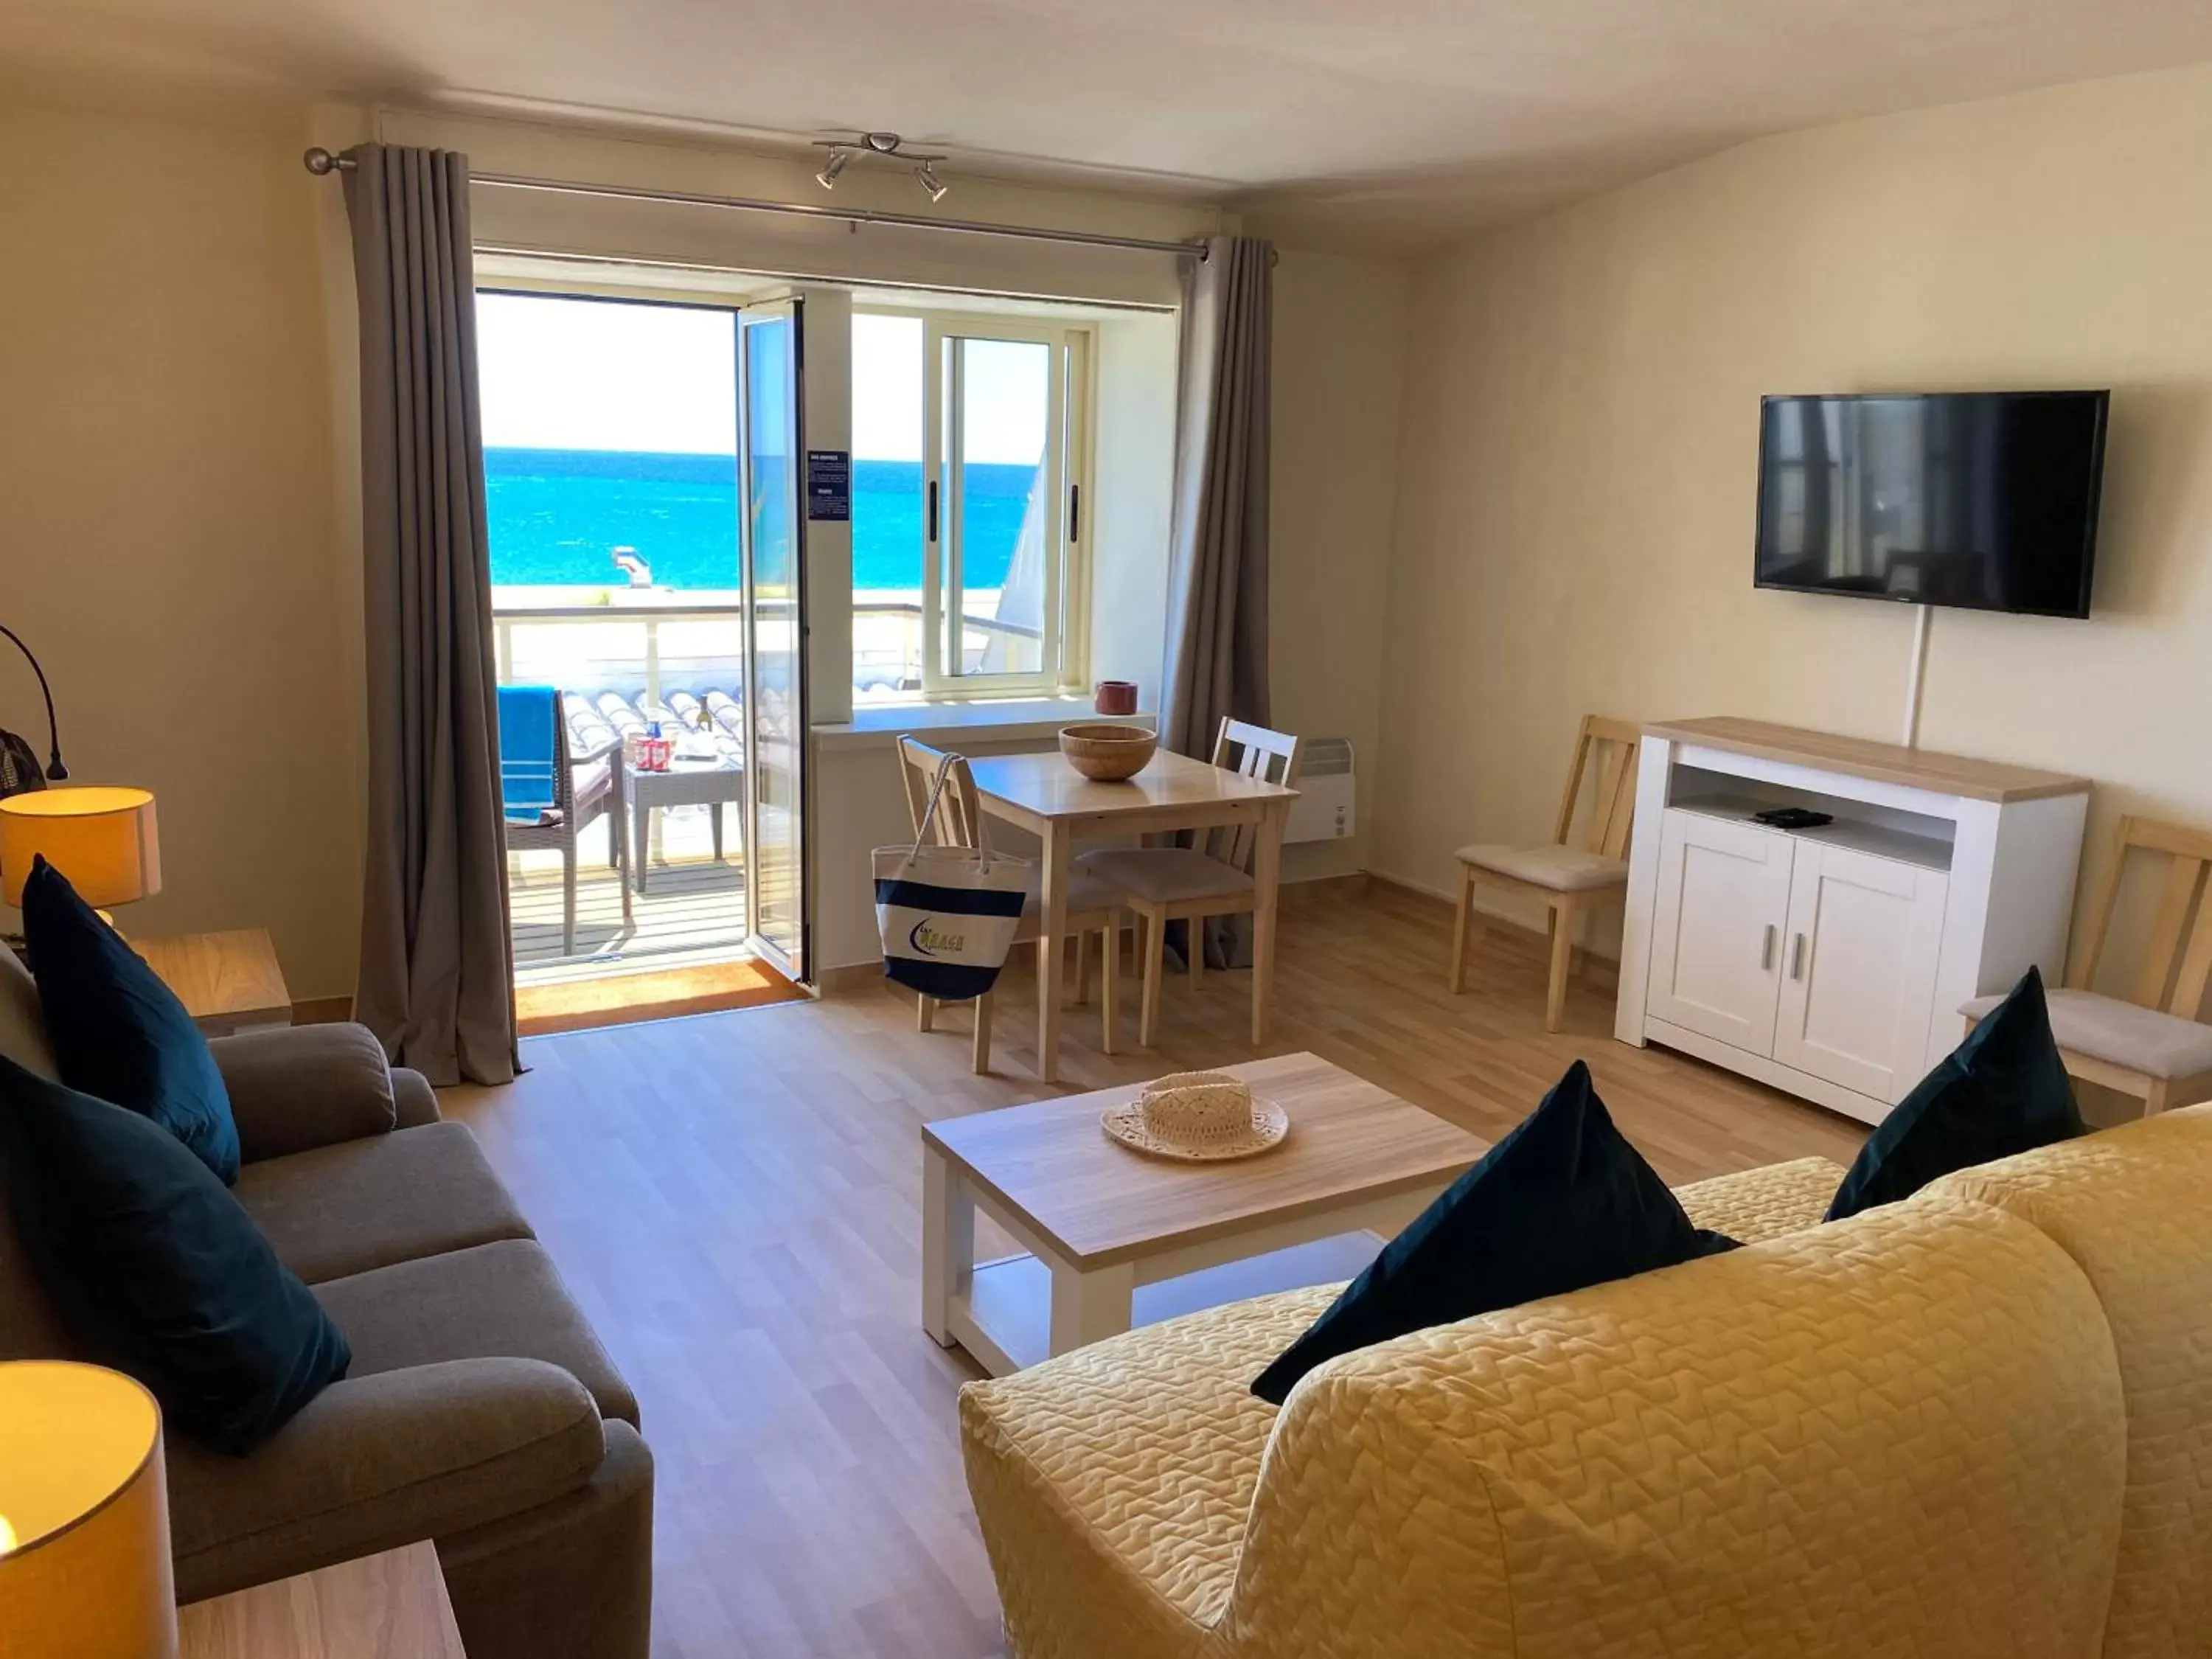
(1113, 1238)
(1001, 1311)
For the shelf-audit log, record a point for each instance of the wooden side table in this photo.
(228, 981)
(391, 1605)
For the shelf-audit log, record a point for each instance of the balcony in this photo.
(622, 658)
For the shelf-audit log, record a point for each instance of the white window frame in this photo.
(1064, 647)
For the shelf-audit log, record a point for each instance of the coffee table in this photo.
(1116, 1237)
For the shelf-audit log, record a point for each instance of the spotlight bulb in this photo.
(936, 187)
(828, 177)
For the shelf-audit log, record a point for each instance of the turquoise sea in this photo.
(556, 514)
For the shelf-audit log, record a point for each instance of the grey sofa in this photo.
(480, 1410)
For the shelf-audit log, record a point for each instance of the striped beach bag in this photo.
(948, 915)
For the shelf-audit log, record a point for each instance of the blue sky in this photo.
(586, 374)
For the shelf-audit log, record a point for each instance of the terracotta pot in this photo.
(1116, 697)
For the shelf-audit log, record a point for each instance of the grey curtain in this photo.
(436, 983)
(1216, 662)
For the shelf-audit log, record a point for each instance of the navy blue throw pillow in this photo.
(156, 1269)
(2004, 1090)
(1561, 1203)
(118, 1032)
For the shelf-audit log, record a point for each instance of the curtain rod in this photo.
(320, 161)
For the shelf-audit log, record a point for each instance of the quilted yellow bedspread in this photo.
(1908, 1433)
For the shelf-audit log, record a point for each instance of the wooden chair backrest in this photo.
(2177, 964)
(1252, 751)
(959, 811)
(1616, 745)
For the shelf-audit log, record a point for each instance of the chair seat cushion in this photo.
(1563, 1202)
(502, 1301)
(1165, 875)
(1561, 869)
(368, 1203)
(2146, 1040)
(2003, 1091)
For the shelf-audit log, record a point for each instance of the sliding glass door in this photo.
(772, 553)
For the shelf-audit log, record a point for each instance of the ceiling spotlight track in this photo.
(890, 147)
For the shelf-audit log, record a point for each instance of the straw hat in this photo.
(1198, 1115)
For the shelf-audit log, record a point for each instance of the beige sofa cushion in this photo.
(375, 1462)
(367, 1204)
(1142, 1452)
(503, 1298)
(2129, 1206)
(300, 1087)
(1151, 1443)
(22, 1027)
(2119, 1033)
(1756, 1205)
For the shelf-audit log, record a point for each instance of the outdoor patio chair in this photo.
(551, 791)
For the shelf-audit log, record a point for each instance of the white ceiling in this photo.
(1396, 123)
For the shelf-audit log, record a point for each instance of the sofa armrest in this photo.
(414, 1099)
(303, 1086)
(373, 1463)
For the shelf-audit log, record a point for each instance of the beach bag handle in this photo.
(944, 776)
(947, 914)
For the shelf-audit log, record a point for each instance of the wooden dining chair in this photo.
(2153, 1043)
(1092, 906)
(1191, 884)
(1569, 878)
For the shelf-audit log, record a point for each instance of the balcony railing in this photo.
(691, 640)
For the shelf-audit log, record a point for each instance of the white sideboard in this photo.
(1830, 962)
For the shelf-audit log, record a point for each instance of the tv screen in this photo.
(1986, 499)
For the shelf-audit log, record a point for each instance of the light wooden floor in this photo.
(736, 1200)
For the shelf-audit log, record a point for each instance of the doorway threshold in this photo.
(630, 995)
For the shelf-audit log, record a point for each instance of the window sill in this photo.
(878, 726)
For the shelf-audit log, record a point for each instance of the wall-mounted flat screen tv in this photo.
(1986, 499)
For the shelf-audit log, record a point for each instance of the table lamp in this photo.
(102, 839)
(84, 1516)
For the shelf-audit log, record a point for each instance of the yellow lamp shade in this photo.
(103, 840)
(84, 1516)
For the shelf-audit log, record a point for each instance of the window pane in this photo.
(887, 507)
(1003, 515)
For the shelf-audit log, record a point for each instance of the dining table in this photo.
(1043, 794)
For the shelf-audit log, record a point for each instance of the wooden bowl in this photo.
(1108, 754)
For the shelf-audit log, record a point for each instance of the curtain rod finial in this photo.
(320, 161)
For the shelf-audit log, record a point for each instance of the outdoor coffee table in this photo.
(1116, 1238)
(687, 782)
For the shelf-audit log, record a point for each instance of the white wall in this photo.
(1338, 364)
(166, 516)
(1581, 423)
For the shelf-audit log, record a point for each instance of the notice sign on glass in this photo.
(829, 484)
